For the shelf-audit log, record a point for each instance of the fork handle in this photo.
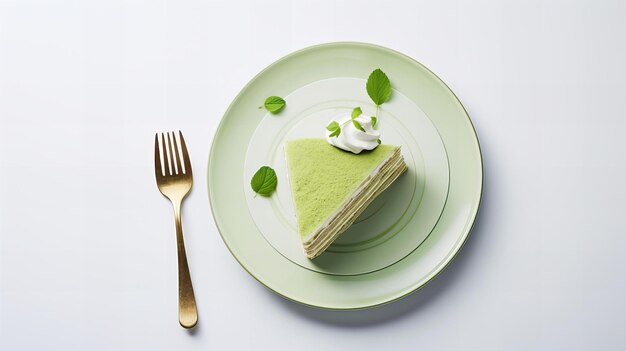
(187, 310)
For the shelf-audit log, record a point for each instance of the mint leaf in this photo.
(332, 126)
(356, 112)
(378, 140)
(274, 104)
(335, 128)
(264, 181)
(378, 87)
(374, 119)
(357, 125)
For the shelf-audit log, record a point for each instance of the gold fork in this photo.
(174, 181)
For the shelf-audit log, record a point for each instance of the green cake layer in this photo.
(322, 177)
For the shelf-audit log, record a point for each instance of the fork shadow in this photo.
(419, 300)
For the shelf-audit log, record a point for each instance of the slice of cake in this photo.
(331, 187)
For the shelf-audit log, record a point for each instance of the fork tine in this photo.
(185, 153)
(167, 145)
(158, 170)
(173, 155)
(178, 165)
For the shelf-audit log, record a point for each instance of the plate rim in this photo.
(465, 235)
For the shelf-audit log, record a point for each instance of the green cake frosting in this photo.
(323, 176)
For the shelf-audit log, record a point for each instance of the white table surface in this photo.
(87, 249)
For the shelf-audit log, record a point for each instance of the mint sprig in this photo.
(335, 128)
(264, 181)
(378, 88)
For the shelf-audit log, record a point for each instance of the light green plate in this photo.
(406, 236)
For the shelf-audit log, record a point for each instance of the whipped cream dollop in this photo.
(351, 138)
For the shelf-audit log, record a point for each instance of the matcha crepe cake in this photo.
(332, 187)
